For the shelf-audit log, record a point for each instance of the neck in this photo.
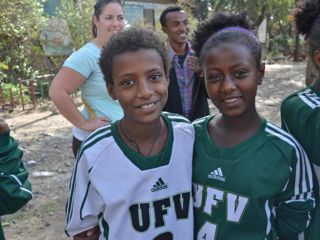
(179, 49)
(147, 140)
(250, 120)
(98, 42)
(141, 132)
(229, 132)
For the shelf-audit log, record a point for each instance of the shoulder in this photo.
(283, 142)
(300, 108)
(175, 118)
(178, 122)
(88, 49)
(201, 123)
(305, 99)
(87, 53)
(84, 60)
(97, 142)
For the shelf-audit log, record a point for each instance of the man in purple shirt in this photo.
(187, 93)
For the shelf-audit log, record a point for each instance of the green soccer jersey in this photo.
(260, 189)
(300, 115)
(15, 188)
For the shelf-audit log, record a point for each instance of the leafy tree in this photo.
(78, 15)
(275, 11)
(20, 50)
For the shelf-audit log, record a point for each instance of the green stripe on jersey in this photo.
(175, 117)
(301, 157)
(90, 141)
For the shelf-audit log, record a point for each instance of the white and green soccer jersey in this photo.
(254, 191)
(131, 196)
(300, 116)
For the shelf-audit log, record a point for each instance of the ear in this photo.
(95, 20)
(261, 72)
(164, 29)
(110, 88)
(316, 57)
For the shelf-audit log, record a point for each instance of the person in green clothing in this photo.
(15, 189)
(251, 179)
(300, 111)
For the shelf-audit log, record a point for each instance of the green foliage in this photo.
(14, 89)
(275, 11)
(20, 50)
(78, 16)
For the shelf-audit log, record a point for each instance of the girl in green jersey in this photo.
(251, 179)
(300, 112)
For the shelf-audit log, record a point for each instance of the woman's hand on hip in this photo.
(92, 124)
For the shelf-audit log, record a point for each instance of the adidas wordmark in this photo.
(217, 174)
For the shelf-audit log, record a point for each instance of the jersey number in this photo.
(164, 236)
(207, 232)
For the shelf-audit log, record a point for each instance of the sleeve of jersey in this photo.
(15, 189)
(84, 204)
(303, 123)
(296, 200)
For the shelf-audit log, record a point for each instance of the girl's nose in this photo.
(144, 90)
(228, 85)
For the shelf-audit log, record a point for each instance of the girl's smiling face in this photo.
(139, 84)
(232, 78)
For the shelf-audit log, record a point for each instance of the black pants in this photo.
(76, 143)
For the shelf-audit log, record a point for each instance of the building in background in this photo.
(144, 12)
(147, 12)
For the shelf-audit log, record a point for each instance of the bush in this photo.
(7, 88)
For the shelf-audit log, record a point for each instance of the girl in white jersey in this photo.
(81, 70)
(133, 177)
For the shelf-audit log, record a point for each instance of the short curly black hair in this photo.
(131, 40)
(166, 11)
(225, 28)
(307, 21)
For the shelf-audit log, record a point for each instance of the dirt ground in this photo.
(45, 136)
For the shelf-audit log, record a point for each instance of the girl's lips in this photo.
(147, 106)
(231, 100)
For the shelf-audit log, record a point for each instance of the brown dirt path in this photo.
(45, 136)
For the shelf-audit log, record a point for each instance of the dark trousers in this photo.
(76, 143)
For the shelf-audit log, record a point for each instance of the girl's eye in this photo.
(108, 18)
(240, 74)
(120, 18)
(128, 82)
(213, 77)
(156, 76)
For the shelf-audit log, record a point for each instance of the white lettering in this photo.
(213, 196)
(235, 207)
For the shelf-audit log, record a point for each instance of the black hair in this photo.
(215, 31)
(131, 40)
(166, 11)
(307, 20)
(98, 8)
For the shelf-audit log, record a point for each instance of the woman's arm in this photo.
(66, 82)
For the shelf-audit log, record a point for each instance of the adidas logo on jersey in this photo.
(159, 185)
(217, 174)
